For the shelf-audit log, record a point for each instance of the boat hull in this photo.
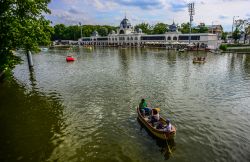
(156, 132)
(200, 62)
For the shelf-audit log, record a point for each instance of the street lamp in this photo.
(191, 13)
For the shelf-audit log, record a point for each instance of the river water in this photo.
(85, 110)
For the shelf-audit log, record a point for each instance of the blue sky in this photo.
(111, 12)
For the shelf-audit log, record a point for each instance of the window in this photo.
(169, 38)
(153, 38)
(175, 38)
(183, 37)
(102, 39)
(193, 37)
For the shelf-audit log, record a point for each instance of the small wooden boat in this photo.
(199, 60)
(159, 133)
(196, 61)
(70, 58)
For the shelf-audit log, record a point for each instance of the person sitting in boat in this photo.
(143, 107)
(168, 127)
(155, 116)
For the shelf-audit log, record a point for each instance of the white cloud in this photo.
(151, 11)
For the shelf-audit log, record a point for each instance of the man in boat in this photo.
(168, 127)
(155, 116)
(143, 107)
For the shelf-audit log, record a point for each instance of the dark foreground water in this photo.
(85, 110)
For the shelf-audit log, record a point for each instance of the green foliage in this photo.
(185, 28)
(224, 36)
(236, 34)
(145, 27)
(223, 47)
(63, 32)
(103, 31)
(201, 29)
(160, 28)
(22, 26)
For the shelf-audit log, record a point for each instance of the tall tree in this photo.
(236, 34)
(160, 28)
(59, 32)
(224, 36)
(103, 31)
(185, 28)
(145, 27)
(22, 25)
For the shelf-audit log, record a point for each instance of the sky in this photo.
(111, 12)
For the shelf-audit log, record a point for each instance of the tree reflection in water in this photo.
(31, 123)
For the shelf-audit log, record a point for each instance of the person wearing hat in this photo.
(155, 116)
(168, 127)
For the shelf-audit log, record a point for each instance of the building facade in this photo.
(127, 36)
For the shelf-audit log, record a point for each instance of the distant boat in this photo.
(70, 58)
(201, 60)
(181, 50)
(44, 49)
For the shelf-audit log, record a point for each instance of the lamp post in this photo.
(191, 13)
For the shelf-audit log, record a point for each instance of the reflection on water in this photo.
(85, 110)
(31, 124)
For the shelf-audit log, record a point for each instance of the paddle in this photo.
(169, 150)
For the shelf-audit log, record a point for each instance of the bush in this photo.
(223, 47)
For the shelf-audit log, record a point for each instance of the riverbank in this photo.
(238, 50)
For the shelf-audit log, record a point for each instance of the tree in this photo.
(22, 25)
(145, 27)
(160, 28)
(103, 31)
(59, 32)
(203, 29)
(236, 34)
(247, 32)
(185, 28)
(224, 36)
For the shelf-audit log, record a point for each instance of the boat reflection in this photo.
(167, 147)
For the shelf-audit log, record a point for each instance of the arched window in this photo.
(169, 38)
(175, 38)
(121, 32)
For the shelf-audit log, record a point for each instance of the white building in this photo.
(127, 36)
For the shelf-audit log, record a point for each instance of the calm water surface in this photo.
(85, 110)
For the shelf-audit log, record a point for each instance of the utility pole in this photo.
(80, 40)
(81, 28)
(233, 24)
(191, 13)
